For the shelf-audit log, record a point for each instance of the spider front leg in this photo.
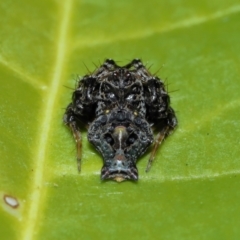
(70, 120)
(168, 126)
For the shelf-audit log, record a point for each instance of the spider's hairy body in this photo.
(120, 106)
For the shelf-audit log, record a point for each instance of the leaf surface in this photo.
(191, 191)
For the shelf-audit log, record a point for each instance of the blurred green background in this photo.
(192, 190)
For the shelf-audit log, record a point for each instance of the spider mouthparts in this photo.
(119, 179)
(119, 171)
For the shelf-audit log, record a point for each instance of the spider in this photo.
(120, 106)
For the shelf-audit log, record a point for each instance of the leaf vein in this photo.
(23, 76)
(35, 199)
(191, 22)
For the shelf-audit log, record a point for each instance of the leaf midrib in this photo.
(35, 198)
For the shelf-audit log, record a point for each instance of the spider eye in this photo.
(128, 78)
(111, 95)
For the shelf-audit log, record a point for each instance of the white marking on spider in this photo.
(120, 138)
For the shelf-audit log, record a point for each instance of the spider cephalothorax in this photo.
(120, 105)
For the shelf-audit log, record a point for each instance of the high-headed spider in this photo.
(120, 105)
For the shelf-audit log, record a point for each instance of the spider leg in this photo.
(158, 141)
(169, 125)
(109, 64)
(70, 120)
(136, 63)
(78, 138)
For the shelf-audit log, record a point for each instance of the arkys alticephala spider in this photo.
(120, 105)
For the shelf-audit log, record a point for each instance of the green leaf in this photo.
(192, 190)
